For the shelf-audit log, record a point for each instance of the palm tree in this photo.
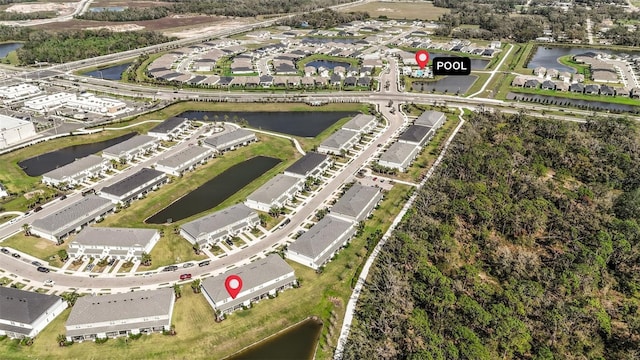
(146, 259)
(177, 291)
(62, 340)
(70, 298)
(196, 248)
(26, 228)
(274, 211)
(195, 285)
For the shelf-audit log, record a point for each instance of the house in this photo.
(131, 148)
(592, 89)
(578, 78)
(230, 140)
(260, 279)
(623, 91)
(134, 186)
(364, 81)
(275, 193)
(399, 156)
(77, 172)
(317, 246)
(310, 70)
(266, 80)
(430, 118)
(607, 90)
(220, 225)
(350, 81)
(548, 85)
(552, 73)
(416, 135)
(25, 313)
(495, 44)
(531, 83)
(561, 86)
(519, 81)
(71, 218)
(111, 316)
(539, 71)
(184, 160)
(335, 80)
(565, 76)
(361, 123)
(170, 128)
(114, 243)
(635, 93)
(357, 203)
(576, 87)
(339, 142)
(312, 164)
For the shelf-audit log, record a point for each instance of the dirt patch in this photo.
(33, 194)
(118, 28)
(164, 24)
(60, 8)
(198, 31)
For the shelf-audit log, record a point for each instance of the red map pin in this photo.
(422, 58)
(233, 283)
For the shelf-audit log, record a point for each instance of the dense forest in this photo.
(524, 244)
(127, 14)
(324, 19)
(17, 16)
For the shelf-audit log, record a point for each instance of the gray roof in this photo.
(217, 220)
(168, 125)
(23, 306)
(108, 236)
(132, 181)
(399, 153)
(228, 137)
(128, 145)
(359, 122)
(73, 215)
(75, 167)
(307, 163)
(320, 236)
(253, 275)
(430, 118)
(273, 189)
(357, 201)
(183, 156)
(339, 138)
(119, 307)
(415, 133)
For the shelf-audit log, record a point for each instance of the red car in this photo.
(185, 276)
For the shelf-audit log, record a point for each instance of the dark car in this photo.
(5, 251)
(63, 197)
(229, 242)
(43, 269)
(185, 276)
(170, 268)
(16, 255)
(37, 209)
(36, 263)
(204, 263)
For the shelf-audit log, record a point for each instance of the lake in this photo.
(44, 163)
(6, 48)
(109, 73)
(327, 64)
(448, 84)
(547, 57)
(215, 191)
(296, 343)
(298, 123)
(582, 104)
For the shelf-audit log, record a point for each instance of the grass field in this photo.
(200, 337)
(43, 249)
(401, 10)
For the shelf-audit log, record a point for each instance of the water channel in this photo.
(298, 123)
(448, 84)
(6, 48)
(44, 163)
(109, 73)
(547, 57)
(215, 191)
(296, 343)
(582, 104)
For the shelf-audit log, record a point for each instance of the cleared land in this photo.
(401, 10)
(165, 24)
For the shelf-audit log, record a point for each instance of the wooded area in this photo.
(524, 244)
(324, 19)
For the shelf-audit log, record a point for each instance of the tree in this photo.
(177, 291)
(263, 219)
(274, 211)
(63, 255)
(627, 205)
(62, 340)
(70, 298)
(26, 228)
(195, 285)
(145, 259)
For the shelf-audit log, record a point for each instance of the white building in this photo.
(261, 278)
(26, 313)
(432, 119)
(184, 160)
(361, 123)
(14, 93)
(312, 164)
(170, 128)
(220, 225)
(14, 131)
(78, 171)
(49, 102)
(230, 140)
(276, 192)
(131, 148)
(357, 203)
(90, 103)
(102, 316)
(115, 243)
(399, 156)
(134, 186)
(339, 142)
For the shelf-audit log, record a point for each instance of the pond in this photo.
(327, 64)
(6, 48)
(448, 84)
(44, 163)
(109, 73)
(107, 8)
(476, 64)
(582, 104)
(298, 342)
(215, 191)
(298, 123)
(548, 56)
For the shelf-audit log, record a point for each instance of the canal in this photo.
(578, 103)
(448, 84)
(215, 191)
(297, 123)
(296, 343)
(109, 73)
(44, 163)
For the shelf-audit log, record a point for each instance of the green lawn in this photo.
(41, 248)
(171, 249)
(477, 85)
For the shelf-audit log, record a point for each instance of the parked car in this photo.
(16, 255)
(170, 268)
(111, 262)
(204, 263)
(36, 263)
(375, 179)
(63, 197)
(37, 209)
(5, 251)
(90, 266)
(49, 282)
(147, 274)
(229, 242)
(187, 265)
(43, 269)
(185, 276)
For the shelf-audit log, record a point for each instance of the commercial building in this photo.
(170, 128)
(275, 193)
(26, 313)
(77, 172)
(129, 149)
(361, 123)
(134, 186)
(184, 160)
(339, 142)
(432, 119)
(102, 316)
(14, 131)
(90, 103)
(115, 243)
(230, 140)
(399, 156)
(49, 102)
(357, 203)
(220, 225)
(416, 135)
(261, 278)
(71, 218)
(312, 164)
(13, 93)
(318, 245)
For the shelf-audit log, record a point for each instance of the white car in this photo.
(49, 282)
